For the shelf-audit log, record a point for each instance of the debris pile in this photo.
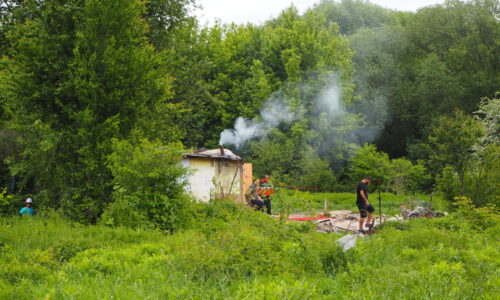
(346, 221)
(338, 221)
(419, 212)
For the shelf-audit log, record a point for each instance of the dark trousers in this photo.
(257, 204)
(267, 204)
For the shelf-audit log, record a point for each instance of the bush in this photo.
(480, 183)
(149, 186)
(406, 177)
(479, 218)
(7, 203)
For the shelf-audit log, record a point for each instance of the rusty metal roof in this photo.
(215, 154)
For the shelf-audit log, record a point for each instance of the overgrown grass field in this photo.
(232, 252)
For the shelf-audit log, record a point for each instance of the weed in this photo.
(233, 252)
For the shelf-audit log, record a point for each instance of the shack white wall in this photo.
(200, 179)
(205, 172)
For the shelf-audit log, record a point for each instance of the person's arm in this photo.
(362, 193)
(22, 210)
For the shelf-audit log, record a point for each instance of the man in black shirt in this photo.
(365, 208)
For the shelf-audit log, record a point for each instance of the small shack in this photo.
(216, 174)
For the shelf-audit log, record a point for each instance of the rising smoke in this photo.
(329, 100)
(342, 126)
(274, 112)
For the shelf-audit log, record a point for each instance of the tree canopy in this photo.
(343, 88)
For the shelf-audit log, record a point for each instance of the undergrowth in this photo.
(232, 252)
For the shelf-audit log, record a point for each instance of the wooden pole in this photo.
(379, 204)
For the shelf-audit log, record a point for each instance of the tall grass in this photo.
(236, 253)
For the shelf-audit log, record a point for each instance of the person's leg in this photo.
(369, 220)
(370, 210)
(268, 205)
(260, 205)
(362, 216)
(361, 221)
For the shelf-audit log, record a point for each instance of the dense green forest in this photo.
(315, 99)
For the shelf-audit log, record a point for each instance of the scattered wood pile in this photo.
(338, 221)
(346, 221)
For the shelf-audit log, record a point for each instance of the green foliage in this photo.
(79, 75)
(335, 261)
(369, 162)
(7, 203)
(407, 177)
(148, 186)
(413, 67)
(314, 172)
(289, 161)
(484, 177)
(9, 150)
(236, 252)
(165, 18)
(351, 15)
(489, 114)
(469, 155)
(452, 144)
(479, 218)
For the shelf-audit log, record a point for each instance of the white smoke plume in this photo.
(243, 131)
(274, 112)
(341, 125)
(330, 101)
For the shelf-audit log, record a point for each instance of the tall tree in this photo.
(413, 67)
(452, 143)
(80, 74)
(352, 15)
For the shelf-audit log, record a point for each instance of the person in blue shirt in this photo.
(28, 210)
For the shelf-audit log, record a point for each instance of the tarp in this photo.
(348, 241)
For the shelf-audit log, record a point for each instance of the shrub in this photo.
(149, 186)
(7, 203)
(479, 218)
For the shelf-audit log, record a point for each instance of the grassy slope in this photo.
(236, 253)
